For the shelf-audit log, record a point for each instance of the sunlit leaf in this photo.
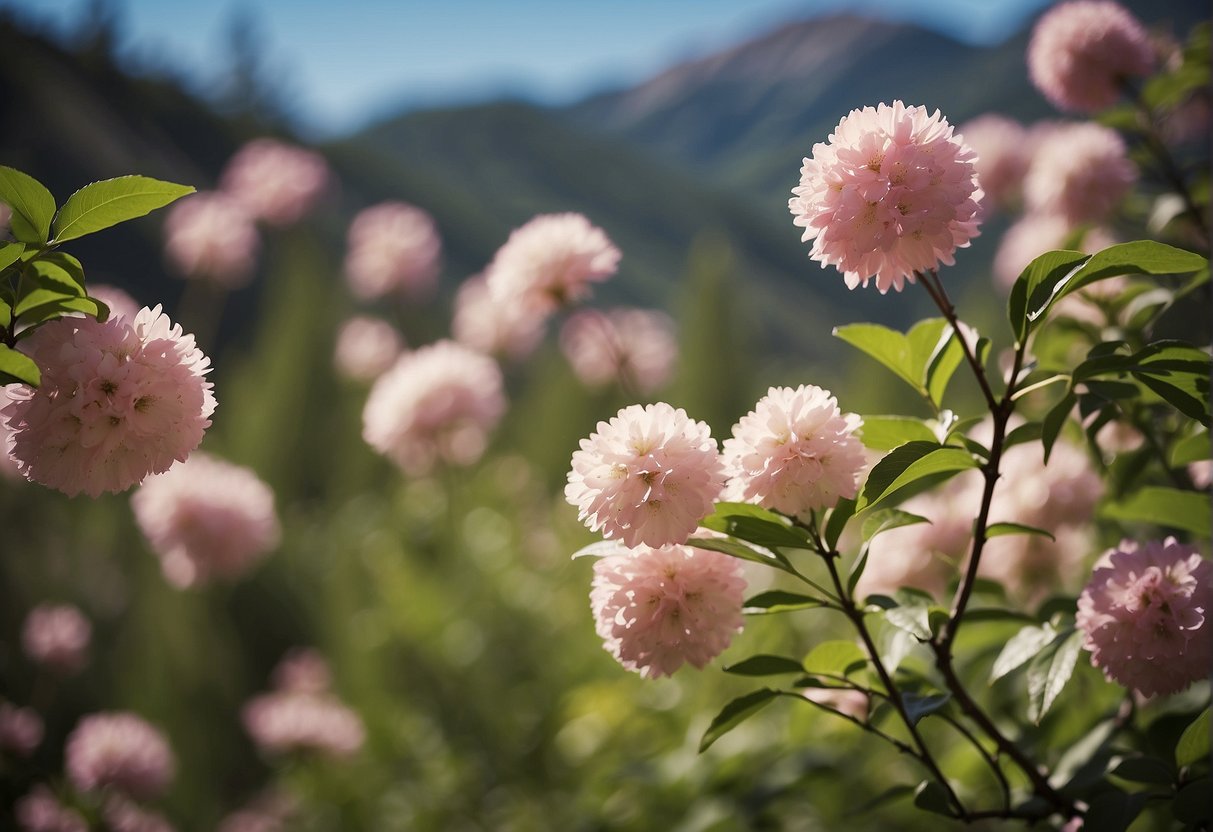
(908, 464)
(1050, 671)
(1020, 648)
(835, 657)
(18, 367)
(764, 665)
(888, 346)
(1000, 529)
(842, 512)
(1190, 449)
(777, 600)
(742, 551)
(756, 525)
(884, 433)
(1163, 506)
(1193, 746)
(735, 713)
(10, 253)
(103, 204)
(32, 204)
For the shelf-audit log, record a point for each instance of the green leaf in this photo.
(942, 364)
(1179, 373)
(918, 706)
(765, 665)
(1190, 449)
(1027, 296)
(1114, 810)
(1054, 420)
(44, 281)
(32, 204)
(1191, 805)
(741, 551)
(103, 204)
(1020, 648)
(60, 307)
(842, 512)
(1027, 432)
(888, 346)
(777, 600)
(1144, 770)
(1000, 529)
(1193, 746)
(6, 313)
(931, 797)
(914, 620)
(10, 253)
(886, 519)
(1049, 672)
(735, 713)
(908, 464)
(837, 658)
(1169, 507)
(756, 525)
(18, 367)
(884, 433)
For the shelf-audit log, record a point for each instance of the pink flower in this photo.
(1201, 473)
(1080, 172)
(210, 236)
(847, 701)
(9, 468)
(293, 721)
(656, 608)
(57, 636)
(633, 347)
(1003, 152)
(20, 729)
(366, 348)
(275, 182)
(1082, 51)
(894, 192)
(648, 476)
(118, 401)
(438, 403)
(122, 751)
(795, 451)
(120, 303)
(41, 811)
(392, 246)
(551, 261)
(124, 815)
(303, 670)
(206, 518)
(495, 326)
(1144, 614)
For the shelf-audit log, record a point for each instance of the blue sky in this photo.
(340, 64)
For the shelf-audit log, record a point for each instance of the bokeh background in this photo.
(454, 620)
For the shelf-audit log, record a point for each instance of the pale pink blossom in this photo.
(275, 182)
(1032, 235)
(1144, 613)
(1081, 53)
(1080, 172)
(20, 729)
(303, 670)
(894, 192)
(210, 236)
(392, 246)
(9, 468)
(122, 751)
(120, 303)
(206, 518)
(796, 451)
(646, 477)
(632, 347)
(847, 701)
(551, 261)
(1201, 473)
(656, 608)
(495, 326)
(124, 815)
(439, 403)
(57, 636)
(41, 811)
(1003, 151)
(366, 348)
(118, 401)
(288, 721)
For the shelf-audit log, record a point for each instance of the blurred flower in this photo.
(210, 236)
(1031, 236)
(392, 246)
(1081, 53)
(437, 403)
(634, 347)
(1080, 172)
(648, 476)
(57, 636)
(366, 347)
(118, 401)
(848, 701)
(303, 670)
(121, 304)
(275, 182)
(20, 729)
(656, 608)
(268, 812)
(894, 192)
(294, 720)
(206, 518)
(551, 261)
(1003, 152)
(487, 324)
(41, 811)
(9, 468)
(123, 815)
(119, 750)
(1144, 613)
(795, 451)
(1201, 473)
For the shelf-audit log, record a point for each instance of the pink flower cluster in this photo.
(366, 348)
(393, 246)
(124, 815)
(57, 636)
(206, 518)
(211, 236)
(632, 347)
(1082, 51)
(20, 729)
(495, 326)
(122, 751)
(1145, 615)
(438, 403)
(275, 182)
(657, 608)
(892, 193)
(118, 401)
(41, 811)
(302, 714)
(1004, 149)
(795, 451)
(1080, 172)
